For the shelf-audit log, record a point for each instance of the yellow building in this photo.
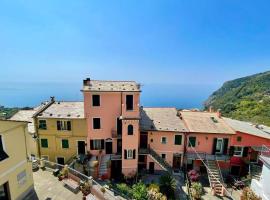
(61, 130)
(16, 179)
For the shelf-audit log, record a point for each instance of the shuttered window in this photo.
(42, 124)
(65, 144)
(96, 123)
(95, 100)
(63, 125)
(178, 139)
(96, 144)
(130, 154)
(44, 143)
(192, 141)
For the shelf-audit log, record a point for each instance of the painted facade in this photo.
(16, 180)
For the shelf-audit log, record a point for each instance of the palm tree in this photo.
(167, 185)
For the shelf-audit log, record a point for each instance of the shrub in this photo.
(123, 188)
(153, 186)
(193, 175)
(248, 194)
(167, 185)
(154, 194)
(196, 190)
(139, 191)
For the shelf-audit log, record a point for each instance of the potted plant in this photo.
(196, 190)
(103, 190)
(86, 189)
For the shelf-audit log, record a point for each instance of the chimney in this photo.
(211, 109)
(86, 82)
(219, 113)
(52, 98)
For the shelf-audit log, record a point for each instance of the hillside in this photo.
(6, 113)
(246, 98)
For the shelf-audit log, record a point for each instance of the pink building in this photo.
(112, 113)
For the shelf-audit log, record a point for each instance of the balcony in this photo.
(114, 134)
(206, 156)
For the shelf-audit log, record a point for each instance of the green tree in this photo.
(167, 185)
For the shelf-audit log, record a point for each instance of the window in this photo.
(95, 100)
(44, 143)
(96, 144)
(129, 102)
(96, 123)
(3, 154)
(239, 139)
(130, 154)
(130, 129)
(65, 144)
(192, 141)
(163, 155)
(238, 151)
(163, 140)
(219, 145)
(42, 124)
(178, 139)
(64, 125)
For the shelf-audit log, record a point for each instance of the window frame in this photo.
(42, 128)
(132, 105)
(195, 141)
(239, 151)
(95, 95)
(128, 155)
(175, 139)
(41, 143)
(128, 130)
(166, 141)
(219, 151)
(163, 154)
(63, 145)
(63, 125)
(93, 123)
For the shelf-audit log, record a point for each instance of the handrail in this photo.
(220, 172)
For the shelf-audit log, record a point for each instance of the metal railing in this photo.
(206, 156)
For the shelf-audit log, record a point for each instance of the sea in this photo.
(182, 96)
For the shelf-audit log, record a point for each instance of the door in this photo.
(143, 140)
(108, 147)
(81, 147)
(119, 146)
(4, 192)
(60, 160)
(176, 161)
(119, 127)
(151, 167)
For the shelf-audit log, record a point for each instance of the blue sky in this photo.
(181, 42)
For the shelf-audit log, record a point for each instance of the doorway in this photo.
(4, 192)
(143, 140)
(151, 167)
(81, 147)
(177, 161)
(108, 147)
(119, 126)
(119, 146)
(61, 160)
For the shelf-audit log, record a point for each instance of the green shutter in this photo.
(65, 144)
(178, 140)
(192, 142)
(44, 143)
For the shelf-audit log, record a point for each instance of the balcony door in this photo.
(220, 146)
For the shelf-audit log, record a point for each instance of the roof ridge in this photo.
(114, 81)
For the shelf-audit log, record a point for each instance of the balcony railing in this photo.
(265, 154)
(206, 156)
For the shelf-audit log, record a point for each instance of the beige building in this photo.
(61, 130)
(16, 179)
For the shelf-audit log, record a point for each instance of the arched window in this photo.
(130, 129)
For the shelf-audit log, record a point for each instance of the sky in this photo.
(181, 45)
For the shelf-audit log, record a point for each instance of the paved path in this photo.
(48, 187)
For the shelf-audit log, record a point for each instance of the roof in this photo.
(249, 128)
(112, 86)
(205, 122)
(161, 119)
(64, 109)
(25, 115)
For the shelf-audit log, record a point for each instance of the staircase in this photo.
(158, 159)
(255, 171)
(215, 177)
(103, 167)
